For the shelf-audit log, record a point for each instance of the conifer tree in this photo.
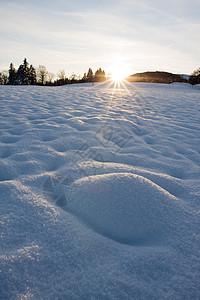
(12, 75)
(20, 75)
(1, 79)
(100, 75)
(84, 78)
(32, 75)
(90, 75)
(23, 73)
(26, 72)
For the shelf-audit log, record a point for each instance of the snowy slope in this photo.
(99, 192)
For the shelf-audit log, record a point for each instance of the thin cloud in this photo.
(147, 31)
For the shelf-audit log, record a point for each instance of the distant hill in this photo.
(157, 77)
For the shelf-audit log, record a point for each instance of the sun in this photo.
(118, 75)
(119, 71)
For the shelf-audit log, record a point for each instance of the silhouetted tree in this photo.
(12, 78)
(20, 75)
(26, 71)
(73, 78)
(23, 73)
(90, 76)
(32, 75)
(100, 75)
(84, 78)
(1, 79)
(61, 77)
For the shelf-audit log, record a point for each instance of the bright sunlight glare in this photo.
(119, 71)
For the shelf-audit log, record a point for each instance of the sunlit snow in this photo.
(99, 192)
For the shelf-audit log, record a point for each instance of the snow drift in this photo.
(126, 207)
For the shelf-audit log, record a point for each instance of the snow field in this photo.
(99, 192)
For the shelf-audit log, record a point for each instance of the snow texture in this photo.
(99, 192)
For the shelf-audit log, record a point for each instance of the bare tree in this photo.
(195, 77)
(61, 74)
(42, 74)
(73, 76)
(196, 72)
(50, 76)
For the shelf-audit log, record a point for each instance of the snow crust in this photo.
(99, 192)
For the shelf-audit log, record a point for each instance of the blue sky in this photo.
(75, 35)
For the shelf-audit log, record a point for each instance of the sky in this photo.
(72, 35)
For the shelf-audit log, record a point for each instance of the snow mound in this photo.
(125, 207)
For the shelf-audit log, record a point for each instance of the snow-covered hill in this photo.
(99, 192)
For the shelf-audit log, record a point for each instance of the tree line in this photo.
(28, 75)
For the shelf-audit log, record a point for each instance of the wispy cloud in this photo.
(63, 34)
